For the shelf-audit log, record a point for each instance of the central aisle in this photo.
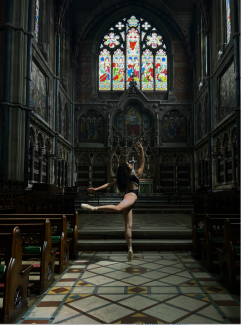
(156, 288)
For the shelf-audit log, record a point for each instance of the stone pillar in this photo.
(57, 72)
(28, 92)
(33, 147)
(64, 173)
(233, 162)
(217, 170)
(210, 185)
(157, 130)
(41, 165)
(73, 114)
(236, 37)
(6, 90)
(108, 129)
(224, 151)
(67, 174)
(202, 173)
(48, 170)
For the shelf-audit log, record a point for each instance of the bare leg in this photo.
(127, 202)
(127, 214)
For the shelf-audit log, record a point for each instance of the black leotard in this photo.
(134, 179)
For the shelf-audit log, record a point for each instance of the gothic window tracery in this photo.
(133, 48)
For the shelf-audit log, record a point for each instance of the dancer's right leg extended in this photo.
(127, 202)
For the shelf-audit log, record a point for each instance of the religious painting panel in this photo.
(91, 127)
(118, 70)
(38, 91)
(227, 92)
(147, 70)
(104, 70)
(133, 122)
(174, 127)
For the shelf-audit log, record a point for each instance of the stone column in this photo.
(73, 117)
(236, 29)
(48, 170)
(157, 130)
(233, 162)
(67, 174)
(224, 151)
(64, 173)
(217, 170)
(33, 147)
(41, 165)
(202, 176)
(28, 92)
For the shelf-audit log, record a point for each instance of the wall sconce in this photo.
(200, 85)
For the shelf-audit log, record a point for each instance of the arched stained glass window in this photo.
(36, 26)
(228, 17)
(133, 48)
(104, 70)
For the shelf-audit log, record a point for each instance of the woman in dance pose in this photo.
(128, 182)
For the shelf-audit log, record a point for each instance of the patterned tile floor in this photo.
(156, 288)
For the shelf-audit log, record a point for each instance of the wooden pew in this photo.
(229, 256)
(14, 279)
(36, 243)
(198, 222)
(213, 238)
(58, 232)
(72, 229)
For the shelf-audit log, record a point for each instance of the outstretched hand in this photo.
(139, 145)
(91, 190)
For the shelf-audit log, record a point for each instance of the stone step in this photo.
(138, 244)
(93, 233)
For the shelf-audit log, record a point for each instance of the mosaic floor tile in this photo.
(155, 288)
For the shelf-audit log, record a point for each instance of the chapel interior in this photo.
(80, 84)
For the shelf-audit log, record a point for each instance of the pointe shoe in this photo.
(88, 207)
(130, 255)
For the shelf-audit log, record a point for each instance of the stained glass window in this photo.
(36, 27)
(133, 56)
(104, 70)
(118, 70)
(147, 70)
(228, 17)
(161, 70)
(129, 51)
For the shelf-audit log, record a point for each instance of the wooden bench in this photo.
(198, 222)
(72, 230)
(58, 232)
(14, 276)
(213, 239)
(36, 243)
(229, 256)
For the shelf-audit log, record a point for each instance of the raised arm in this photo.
(103, 186)
(140, 170)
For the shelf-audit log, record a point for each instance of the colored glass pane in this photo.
(147, 70)
(119, 25)
(104, 70)
(146, 26)
(133, 56)
(118, 70)
(133, 22)
(154, 40)
(228, 20)
(123, 35)
(36, 27)
(161, 70)
(143, 35)
(112, 40)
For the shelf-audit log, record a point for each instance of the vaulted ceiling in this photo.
(177, 15)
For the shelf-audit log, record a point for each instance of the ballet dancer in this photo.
(127, 182)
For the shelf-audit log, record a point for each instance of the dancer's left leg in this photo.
(127, 214)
